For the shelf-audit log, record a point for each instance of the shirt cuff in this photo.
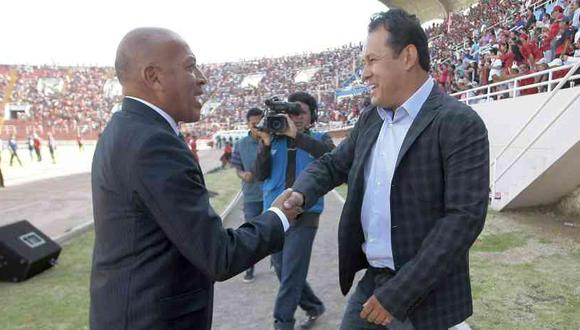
(281, 216)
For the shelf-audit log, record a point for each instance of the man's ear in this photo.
(410, 57)
(150, 77)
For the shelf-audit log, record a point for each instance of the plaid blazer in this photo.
(439, 197)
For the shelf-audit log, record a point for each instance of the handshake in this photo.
(290, 202)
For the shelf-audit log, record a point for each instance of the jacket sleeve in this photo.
(312, 146)
(236, 160)
(263, 165)
(465, 151)
(172, 187)
(328, 171)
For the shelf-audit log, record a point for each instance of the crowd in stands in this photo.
(71, 99)
(492, 41)
(497, 40)
(225, 80)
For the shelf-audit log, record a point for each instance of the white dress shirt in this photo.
(378, 174)
(173, 125)
(162, 113)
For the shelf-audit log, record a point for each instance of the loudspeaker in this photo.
(25, 251)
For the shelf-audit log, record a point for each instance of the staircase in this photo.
(540, 164)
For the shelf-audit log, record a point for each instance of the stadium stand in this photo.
(489, 42)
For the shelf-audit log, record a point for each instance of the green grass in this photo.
(59, 297)
(543, 294)
(342, 190)
(499, 242)
(226, 184)
(512, 290)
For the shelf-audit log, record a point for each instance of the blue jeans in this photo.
(252, 210)
(364, 290)
(291, 265)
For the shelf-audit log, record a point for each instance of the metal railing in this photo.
(495, 177)
(541, 3)
(514, 86)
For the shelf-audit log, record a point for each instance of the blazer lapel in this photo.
(424, 118)
(366, 139)
(135, 107)
(370, 135)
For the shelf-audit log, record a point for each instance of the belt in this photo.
(385, 270)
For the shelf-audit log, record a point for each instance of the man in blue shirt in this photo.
(13, 146)
(281, 158)
(243, 159)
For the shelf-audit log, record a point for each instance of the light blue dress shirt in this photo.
(378, 173)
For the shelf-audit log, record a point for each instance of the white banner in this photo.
(50, 86)
(112, 88)
(252, 80)
(305, 75)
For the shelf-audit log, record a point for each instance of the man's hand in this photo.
(295, 199)
(264, 136)
(292, 130)
(247, 176)
(291, 212)
(374, 312)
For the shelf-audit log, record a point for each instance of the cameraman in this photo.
(281, 158)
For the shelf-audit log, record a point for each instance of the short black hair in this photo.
(309, 100)
(404, 29)
(304, 98)
(253, 112)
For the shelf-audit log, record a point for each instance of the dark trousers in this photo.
(38, 155)
(1, 176)
(14, 155)
(252, 210)
(291, 265)
(51, 149)
(364, 290)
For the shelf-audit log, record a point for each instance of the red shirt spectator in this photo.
(525, 70)
(193, 147)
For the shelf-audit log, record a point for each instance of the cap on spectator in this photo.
(558, 9)
(556, 62)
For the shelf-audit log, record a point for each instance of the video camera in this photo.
(274, 122)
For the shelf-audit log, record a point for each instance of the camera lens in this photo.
(276, 125)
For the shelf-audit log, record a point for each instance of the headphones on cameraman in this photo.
(313, 114)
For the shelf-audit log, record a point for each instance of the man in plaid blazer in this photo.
(417, 168)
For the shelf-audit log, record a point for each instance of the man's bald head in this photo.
(157, 65)
(142, 47)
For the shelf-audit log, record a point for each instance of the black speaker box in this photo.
(25, 251)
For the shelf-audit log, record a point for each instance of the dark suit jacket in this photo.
(159, 245)
(439, 197)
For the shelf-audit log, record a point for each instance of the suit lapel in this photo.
(135, 107)
(424, 118)
(370, 135)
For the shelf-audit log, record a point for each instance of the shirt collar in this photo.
(162, 113)
(413, 104)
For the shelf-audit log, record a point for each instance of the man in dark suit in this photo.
(417, 168)
(159, 246)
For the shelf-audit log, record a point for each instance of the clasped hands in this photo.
(290, 202)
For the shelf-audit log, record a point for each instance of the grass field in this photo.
(522, 276)
(59, 297)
